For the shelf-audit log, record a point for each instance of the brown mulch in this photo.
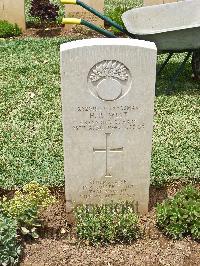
(144, 252)
(76, 32)
(58, 245)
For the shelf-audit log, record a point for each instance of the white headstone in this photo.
(13, 11)
(158, 2)
(108, 97)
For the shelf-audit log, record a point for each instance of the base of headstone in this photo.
(108, 89)
(13, 11)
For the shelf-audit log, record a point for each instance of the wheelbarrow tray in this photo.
(172, 26)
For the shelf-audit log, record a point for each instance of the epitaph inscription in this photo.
(107, 104)
(109, 189)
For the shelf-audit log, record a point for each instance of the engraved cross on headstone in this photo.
(107, 150)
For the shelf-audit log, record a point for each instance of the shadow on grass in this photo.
(185, 83)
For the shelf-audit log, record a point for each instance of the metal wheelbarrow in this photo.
(173, 27)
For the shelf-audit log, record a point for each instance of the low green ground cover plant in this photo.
(10, 248)
(25, 206)
(9, 30)
(180, 216)
(109, 223)
(19, 214)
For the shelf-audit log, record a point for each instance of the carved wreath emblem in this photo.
(108, 80)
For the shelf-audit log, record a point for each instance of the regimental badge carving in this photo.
(111, 69)
(109, 80)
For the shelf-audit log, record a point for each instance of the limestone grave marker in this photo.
(108, 88)
(77, 11)
(158, 2)
(13, 11)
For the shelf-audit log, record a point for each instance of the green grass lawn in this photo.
(30, 121)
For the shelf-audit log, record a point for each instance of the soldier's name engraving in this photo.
(106, 118)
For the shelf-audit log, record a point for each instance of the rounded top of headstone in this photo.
(96, 42)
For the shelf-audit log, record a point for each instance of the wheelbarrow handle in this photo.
(76, 21)
(73, 2)
(98, 14)
(89, 25)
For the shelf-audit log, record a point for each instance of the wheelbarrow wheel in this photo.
(196, 64)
